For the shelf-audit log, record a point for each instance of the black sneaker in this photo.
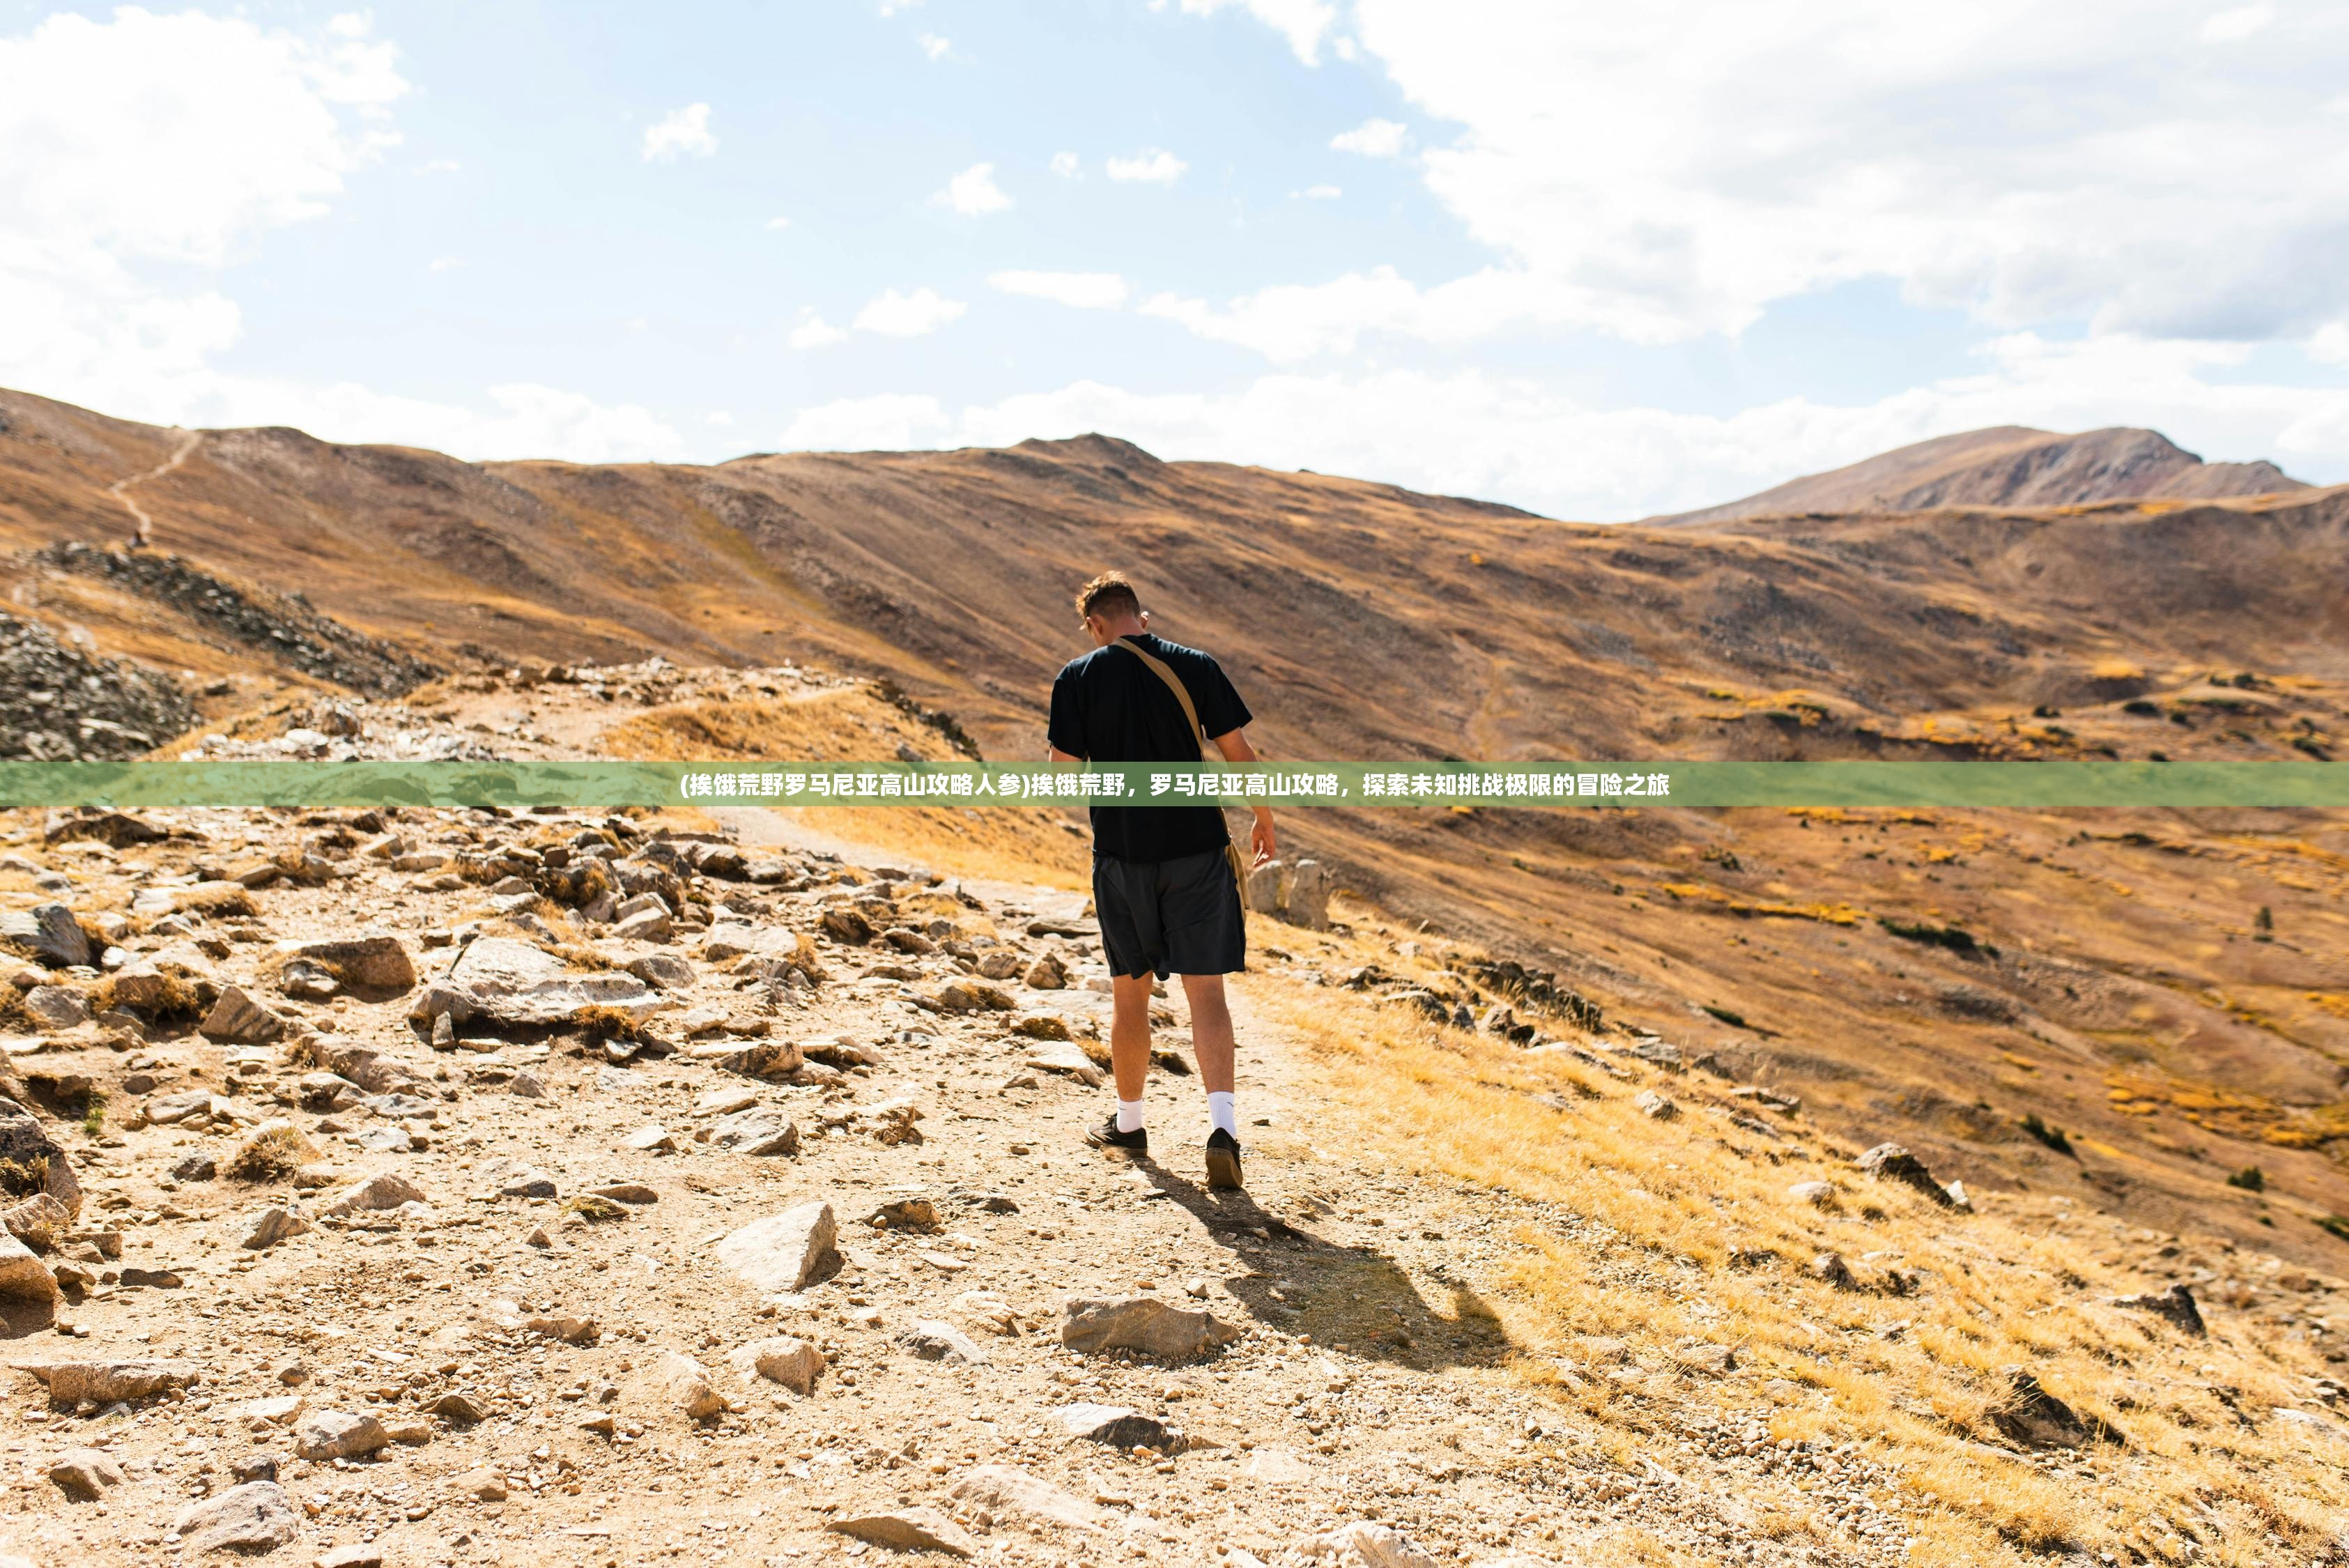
(1224, 1162)
(1106, 1136)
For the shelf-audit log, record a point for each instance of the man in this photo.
(1164, 887)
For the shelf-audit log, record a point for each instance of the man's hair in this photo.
(1110, 594)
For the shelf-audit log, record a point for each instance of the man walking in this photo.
(1165, 884)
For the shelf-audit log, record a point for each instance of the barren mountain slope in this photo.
(2008, 465)
(2133, 996)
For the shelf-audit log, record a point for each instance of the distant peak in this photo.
(1091, 448)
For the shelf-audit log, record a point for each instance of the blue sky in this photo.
(1596, 262)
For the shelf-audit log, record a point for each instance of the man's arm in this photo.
(1236, 749)
(1059, 755)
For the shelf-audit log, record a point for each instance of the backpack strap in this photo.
(1233, 855)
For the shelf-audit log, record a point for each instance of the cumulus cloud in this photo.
(1068, 166)
(1504, 438)
(974, 192)
(1154, 166)
(1081, 290)
(1373, 139)
(1321, 193)
(683, 132)
(811, 331)
(1304, 23)
(2233, 25)
(934, 46)
(2094, 161)
(915, 314)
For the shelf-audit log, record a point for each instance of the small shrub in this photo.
(272, 1153)
(22, 1178)
(2335, 1223)
(2251, 1178)
(1955, 937)
(93, 1113)
(2051, 1137)
(593, 1208)
(600, 1023)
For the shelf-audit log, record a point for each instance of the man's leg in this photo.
(1129, 1040)
(1211, 1031)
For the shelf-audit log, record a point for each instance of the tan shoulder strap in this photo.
(1160, 668)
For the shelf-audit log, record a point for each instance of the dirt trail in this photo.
(120, 488)
(523, 1359)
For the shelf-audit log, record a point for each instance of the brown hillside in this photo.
(2133, 997)
(2009, 465)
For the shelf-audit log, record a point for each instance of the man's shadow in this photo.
(1337, 1293)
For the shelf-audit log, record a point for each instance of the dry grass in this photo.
(273, 1154)
(1649, 1214)
(847, 725)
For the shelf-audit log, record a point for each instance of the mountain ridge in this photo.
(2004, 466)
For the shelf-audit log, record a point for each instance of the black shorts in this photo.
(1170, 917)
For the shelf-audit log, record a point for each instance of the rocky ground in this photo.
(445, 1188)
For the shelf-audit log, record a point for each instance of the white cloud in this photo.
(439, 166)
(2235, 25)
(974, 192)
(915, 314)
(1321, 193)
(444, 263)
(1303, 23)
(891, 421)
(719, 418)
(1475, 433)
(681, 132)
(1153, 165)
(1066, 165)
(2090, 161)
(778, 223)
(933, 46)
(1080, 290)
(814, 332)
(1291, 322)
(1373, 139)
(2330, 343)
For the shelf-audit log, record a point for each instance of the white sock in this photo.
(1129, 1116)
(1220, 1111)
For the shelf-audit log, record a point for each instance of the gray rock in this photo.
(252, 1519)
(337, 1434)
(376, 1192)
(237, 1019)
(528, 1084)
(1363, 1545)
(662, 972)
(786, 1252)
(1265, 885)
(766, 1059)
(1656, 1105)
(755, 1132)
(110, 1382)
(907, 1529)
(22, 1276)
(1143, 1323)
(793, 1363)
(1047, 973)
(1116, 1426)
(321, 1092)
(528, 1182)
(933, 1339)
(2175, 1305)
(1308, 896)
(271, 1226)
(1004, 1490)
(1831, 1268)
(196, 1168)
(57, 1006)
(2036, 1418)
(375, 964)
(1064, 1057)
(1817, 1194)
(1890, 1162)
(47, 933)
(85, 1474)
(512, 982)
(685, 1384)
(23, 1142)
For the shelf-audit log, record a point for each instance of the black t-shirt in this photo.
(1110, 706)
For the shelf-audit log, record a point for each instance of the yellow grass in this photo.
(849, 724)
(1648, 1214)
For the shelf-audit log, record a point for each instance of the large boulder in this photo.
(1143, 1323)
(248, 1519)
(505, 981)
(46, 933)
(784, 1253)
